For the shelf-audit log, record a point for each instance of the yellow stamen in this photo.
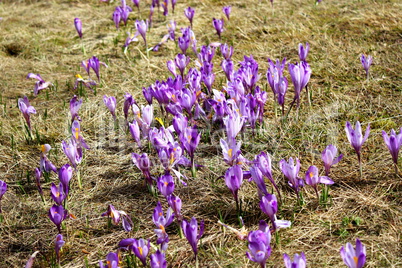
(230, 151)
(77, 132)
(57, 194)
(78, 76)
(43, 148)
(166, 183)
(356, 259)
(311, 174)
(162, 228)
(140, 249)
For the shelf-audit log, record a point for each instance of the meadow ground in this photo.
(39, 37)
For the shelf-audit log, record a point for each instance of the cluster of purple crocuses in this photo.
(190, 98)
(299, 73)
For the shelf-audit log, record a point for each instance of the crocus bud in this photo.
(78, 26)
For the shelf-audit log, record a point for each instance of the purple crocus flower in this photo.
(231, 152)
(72, 151)
(125, 11)
(366, 62)
(142, 28)
(218, 25)
(207, 54)
(179, 123)
(77, 137)
(275, 74)
(57, 193)
(118, 215)
(226, 51)
(189, 12)
(190, 139)
(78, 26)
(135, 132)
(158, 260)
(161, 223)
(3, 190)
(356, 138)
(94, 64)
(137, 4)
(329, 158)
(112, 260)
(227, 67)
(40, 84)
(226, 10)
(117, 17)
(113, 213)
(26, 109)
(88, 83)
(258, 178)
(233, 180)
(110, 103)
(207, 75)
(233, 124)
(184, 40)
(303, 51)
(143, 163)
(160, 220)
(354, 257)
(300, 74)
(173, 5)
(192, 233)
(165, 7)
(57, 214)
(172, 29)
(281, 85)
(75, 105)
(45, 164)
(141, 249)
(299, 261)
(172, 67)
(128, 102)
(263, 162)
(181, 61)
(58, 244)
(291, 171)
(313, 179)
(259, 245)
(169, 155)
(269, 205)
(166, 185)
(175, 203)
(65, 175)
(394, 143)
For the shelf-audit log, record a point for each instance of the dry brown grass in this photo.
(39, 36)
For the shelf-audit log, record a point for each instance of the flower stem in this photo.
(79, 179)
(146, 48)
(181, 235)
(193, 169)
(308, 96)
(396, 170)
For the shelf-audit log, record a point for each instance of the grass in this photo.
(39, 37)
